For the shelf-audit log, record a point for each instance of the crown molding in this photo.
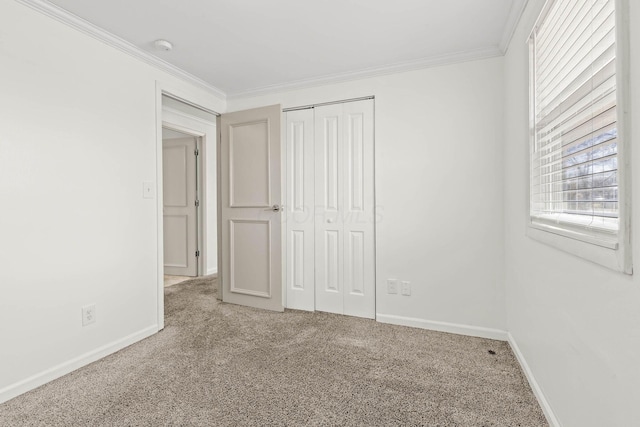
(73, 21)
(116, 42)
(515, 14)
(428, 62)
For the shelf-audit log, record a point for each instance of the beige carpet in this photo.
(220, 364)
(174, 280)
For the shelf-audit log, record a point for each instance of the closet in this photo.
(330, 215)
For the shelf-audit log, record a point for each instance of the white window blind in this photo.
(574, 148)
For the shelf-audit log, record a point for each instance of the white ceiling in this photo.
(241, 46)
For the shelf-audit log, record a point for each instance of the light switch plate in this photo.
(148, 190)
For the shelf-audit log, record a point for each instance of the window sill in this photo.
(605, 253)
(606, 240)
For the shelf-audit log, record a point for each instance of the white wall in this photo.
(77, 140)
(438, 137)
(576, 323)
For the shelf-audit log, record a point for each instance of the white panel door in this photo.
(358, 211)
(250, 182)
(180, 211)
(344, 209)
(329, 201)
(299, 208)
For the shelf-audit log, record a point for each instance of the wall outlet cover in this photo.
(405, 288)
(392, 286)
(88, 314)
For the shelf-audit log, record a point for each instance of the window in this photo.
(577, 177)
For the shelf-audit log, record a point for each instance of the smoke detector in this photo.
(164, 45)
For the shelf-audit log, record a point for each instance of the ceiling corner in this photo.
(517, 9)
(61, 15)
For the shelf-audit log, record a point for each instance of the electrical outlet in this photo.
(88, 314)
(405, 288)
(392, 286)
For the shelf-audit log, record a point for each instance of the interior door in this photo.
(250, 181)
(344, 209)
(180, 211)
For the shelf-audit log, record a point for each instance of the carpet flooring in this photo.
(221, 364)
(170, 280)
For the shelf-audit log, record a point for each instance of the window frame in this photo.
(611, 251)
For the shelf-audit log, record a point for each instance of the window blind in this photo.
(574, 149)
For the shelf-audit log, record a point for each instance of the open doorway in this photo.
(187, 205)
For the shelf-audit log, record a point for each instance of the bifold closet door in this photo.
(330, 209)
(358, 210)
(299, 208)
(329, 204)
(344, 209)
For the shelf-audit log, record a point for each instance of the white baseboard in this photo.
(453, 328)
(537, 391)
(64, 368)
(212, 271)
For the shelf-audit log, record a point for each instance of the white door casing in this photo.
(206, 132)
(179, 211)
(336, 143)
(250, 184)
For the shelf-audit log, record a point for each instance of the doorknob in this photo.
(275, 208)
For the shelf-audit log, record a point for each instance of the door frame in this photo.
(205, 142)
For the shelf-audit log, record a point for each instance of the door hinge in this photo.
(196, 152)
(198, 253)
(197, 203)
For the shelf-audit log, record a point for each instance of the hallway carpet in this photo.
(221, 364)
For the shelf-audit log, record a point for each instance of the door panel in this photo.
(329, 200)
(176, 248)
(355, 162)
(299, 210)
(249, 165)
(180, 211)
(359, 211)
(175, 191)
(330, 167)
(251, 268)
(354, 263)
